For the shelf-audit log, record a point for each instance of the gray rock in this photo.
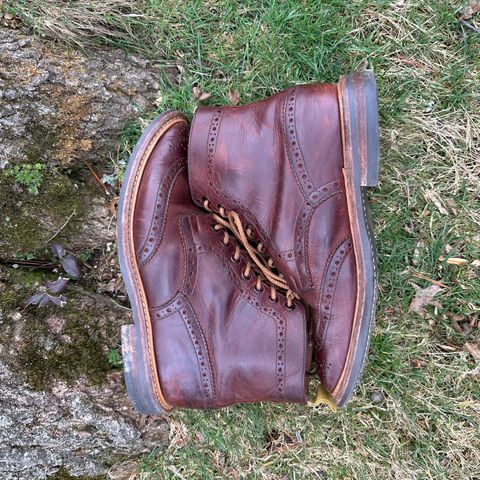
(79, 428)
(58, 408)
(60, 106)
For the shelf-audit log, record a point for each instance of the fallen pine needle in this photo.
(428, 279)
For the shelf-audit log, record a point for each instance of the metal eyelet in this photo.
(223, 243)
(290, 309)
(220, 209)
(259, 290)
(205, 199)
(212, 226)
(235, 261)
(273, 300)
(245, 277)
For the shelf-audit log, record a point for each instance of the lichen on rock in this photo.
(61, 106)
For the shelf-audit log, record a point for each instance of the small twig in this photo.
(119, 306)
(469, 25)
(32, 264)
(428, 279)
(97, 178)
(63, 226)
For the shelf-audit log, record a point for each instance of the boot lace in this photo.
(229, 222)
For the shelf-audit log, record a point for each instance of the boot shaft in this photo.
(275, 162)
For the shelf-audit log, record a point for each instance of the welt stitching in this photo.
(372, 310)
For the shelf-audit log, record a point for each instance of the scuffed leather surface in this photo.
(278, 163)
(217, 340)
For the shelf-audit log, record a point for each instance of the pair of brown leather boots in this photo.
(247, 250)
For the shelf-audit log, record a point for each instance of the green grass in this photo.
(426, 424)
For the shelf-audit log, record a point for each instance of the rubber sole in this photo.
(358, 100)
(140, 367)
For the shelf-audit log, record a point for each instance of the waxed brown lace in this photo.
(231, 223)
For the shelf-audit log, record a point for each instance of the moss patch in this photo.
(74, 352)
(28, 221)
(51, 342)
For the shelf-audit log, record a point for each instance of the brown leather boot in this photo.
(205, 333)
(288, 172)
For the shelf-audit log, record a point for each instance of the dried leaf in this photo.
(113, 206)
(43, 299)
(58, 250)
(424, 297)
(453, 260)
(415, 363)
(35, 299)
(110, 286)
(473, 350)
(428, 279)
(475, 371)
(431, 195)
(460, 325)
(447, 348)
(60, 301)
(470, 9)
(234, 97)
(417, 252)
(452, 204)
(196, 92)
(377, 397)
(70, 265)
(199, 94)
(476, 263)
(57, 286)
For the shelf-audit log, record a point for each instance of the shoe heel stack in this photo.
(360, 133)
(137, 380)
(359, 96)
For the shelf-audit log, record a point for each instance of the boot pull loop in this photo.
(322, 397)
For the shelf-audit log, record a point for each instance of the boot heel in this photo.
(359, 102)
(137, 378)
